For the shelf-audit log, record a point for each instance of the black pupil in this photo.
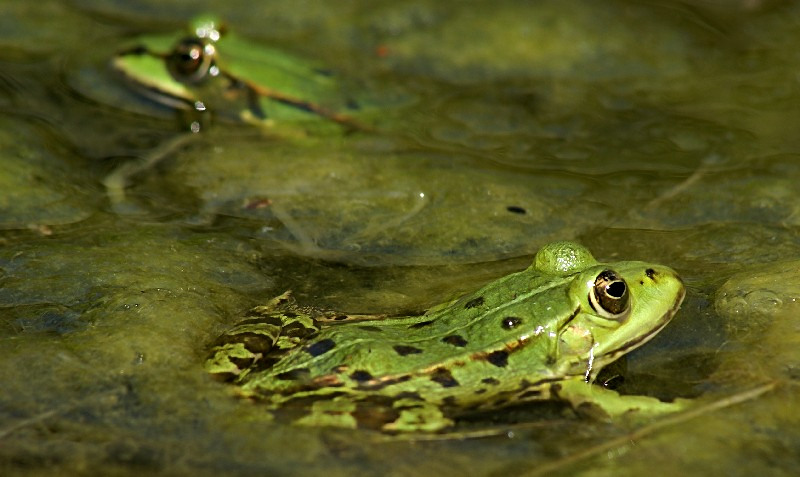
(187, 60)
(610, 293)
(190, 59)
(616, 289)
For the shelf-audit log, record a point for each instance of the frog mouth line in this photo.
(635, 343)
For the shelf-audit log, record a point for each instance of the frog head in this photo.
(209, 68)
(620, 306)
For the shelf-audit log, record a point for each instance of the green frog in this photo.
(540, 334)
(208, 68)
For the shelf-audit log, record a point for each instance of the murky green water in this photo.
(647, 130)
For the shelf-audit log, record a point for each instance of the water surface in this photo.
(645, 130)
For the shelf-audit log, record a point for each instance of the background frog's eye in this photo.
(190, 61)
(609, 297)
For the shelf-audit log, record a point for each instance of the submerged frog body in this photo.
(542, 333)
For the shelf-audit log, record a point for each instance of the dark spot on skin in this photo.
(361, 375)
(524, 384)
(370, 328)
(352, 105)
(374, 413)
(253, 342)
(302, 107)
(305, 402)
(455, 340)
(474, 303)
(490, 381)
(268, 361)
(408, 406)
(404, 350)
(515, 209)
(240, 363)
(260, 364)
(256, 317)
(136, 50)
(498, 358)
(510, 322)
(650, 273)
(530, 394)
(298, 407)
(294, 374)
(641, 282)
(449, 401)
(320, 347)
(443, 377)
(421, 324)
(267, 320)
(408, 395)
(297, 330)
(480, 391)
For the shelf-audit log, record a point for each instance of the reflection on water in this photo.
(657, 132)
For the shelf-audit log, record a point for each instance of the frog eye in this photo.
(609, 297)
(191, 60)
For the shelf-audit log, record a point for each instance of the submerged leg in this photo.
(117, 181)
(265, 329)
(401, 415)
(605, 403)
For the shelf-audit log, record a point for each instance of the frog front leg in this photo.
(264, 330)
